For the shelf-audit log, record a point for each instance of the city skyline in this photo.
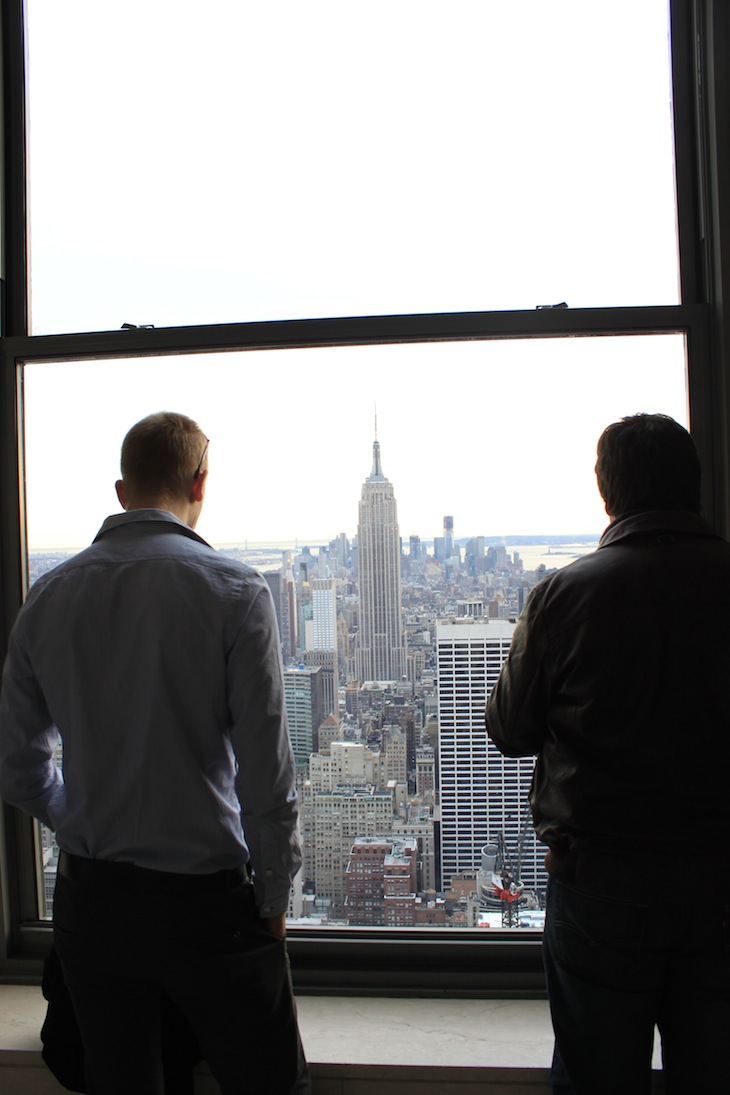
(502, 435)
(400, 791)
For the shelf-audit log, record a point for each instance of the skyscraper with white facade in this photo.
(321, 639)
(380, 652)
(324, 614)
(483, 795)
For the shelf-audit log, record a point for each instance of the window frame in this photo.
(380, 961)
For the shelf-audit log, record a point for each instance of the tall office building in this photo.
(474, 556)
(393, 757)
(287, 614)
(321, 639)
(483, 795)
(425, 773)
(327, 662)
(324, 614)
(449, 536)
(304, 700)
(380, 652)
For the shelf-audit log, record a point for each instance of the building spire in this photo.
(377, 472)
(376, 476)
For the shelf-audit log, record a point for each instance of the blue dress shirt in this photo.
(155, 661)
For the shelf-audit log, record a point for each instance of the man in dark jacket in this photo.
(618, 679)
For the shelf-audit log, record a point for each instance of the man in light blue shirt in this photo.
(155, 660)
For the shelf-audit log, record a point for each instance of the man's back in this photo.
(617, 679)
(634, 641)
(134, 644)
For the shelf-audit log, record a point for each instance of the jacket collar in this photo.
(142, 517)
(672, 521)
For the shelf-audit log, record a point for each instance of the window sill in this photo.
(398, 1044)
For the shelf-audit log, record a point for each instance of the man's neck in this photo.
(183, 510)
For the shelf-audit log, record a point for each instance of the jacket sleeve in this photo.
(517, 709)
(265, 782)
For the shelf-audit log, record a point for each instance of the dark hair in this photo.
(647, 461)
(161, 454)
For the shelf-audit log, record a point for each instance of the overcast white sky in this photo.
(235, 161)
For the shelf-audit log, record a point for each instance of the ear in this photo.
(121, 495)
(197, 491)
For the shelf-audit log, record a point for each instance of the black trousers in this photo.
(126, 936)
(623, 957)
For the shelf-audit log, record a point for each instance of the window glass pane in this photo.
(489, 447)
(265, 161)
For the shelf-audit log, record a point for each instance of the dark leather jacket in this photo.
(618, 679)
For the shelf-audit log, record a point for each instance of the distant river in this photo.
(553, 556)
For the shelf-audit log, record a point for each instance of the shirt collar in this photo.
(677, 521)
(162, 517)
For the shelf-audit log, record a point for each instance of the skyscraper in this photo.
(303, 696)
(321, 639)
(449, 536)
(287, 614)
(483, 795)
(380, 652)
(324, 614)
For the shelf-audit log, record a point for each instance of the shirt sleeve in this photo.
(516, 714)
(29, 775)
(265, 782)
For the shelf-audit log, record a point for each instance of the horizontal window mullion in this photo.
(359, 330)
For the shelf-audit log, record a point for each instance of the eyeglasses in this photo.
(202, 458)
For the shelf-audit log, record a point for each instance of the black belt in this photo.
(108, 874)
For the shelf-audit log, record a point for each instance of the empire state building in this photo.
(380, 652)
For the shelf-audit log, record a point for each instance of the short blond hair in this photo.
(161, 455)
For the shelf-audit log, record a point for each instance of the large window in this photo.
(500, 436)
(319, 213)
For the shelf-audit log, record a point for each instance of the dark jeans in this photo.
(121, 946)
(623, 957)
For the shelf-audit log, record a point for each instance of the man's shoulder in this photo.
(580, 570)
(60, 570)
(234, 569)
(636, 568)
(138, 551)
